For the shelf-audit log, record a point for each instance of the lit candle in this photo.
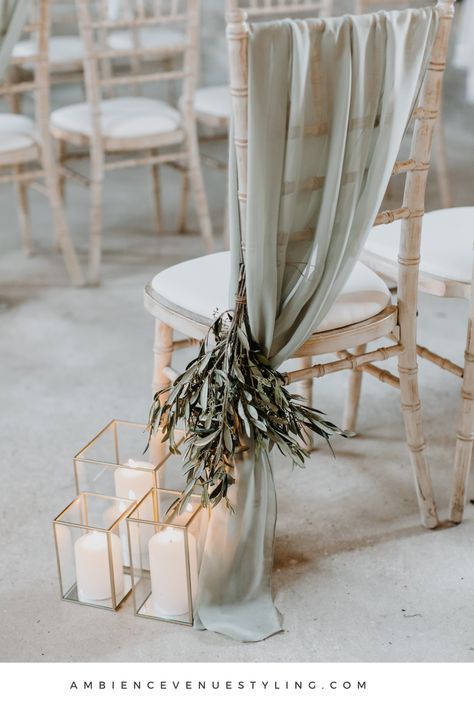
(92, 566)
(131, 482)
(168, 571)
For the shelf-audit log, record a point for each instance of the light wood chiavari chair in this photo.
(184, 298)
(65, 47)
(446, 272)
(128, 130)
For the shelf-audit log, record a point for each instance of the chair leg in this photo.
(162, 356)
(162, 352)
(351, 407)
(182, 226)
(411, 408)
(23, 211)
(155, 172)
(465, 436)
(62, 236)
(62, 154)
(200, 197)
(95, 244)
(305, 389)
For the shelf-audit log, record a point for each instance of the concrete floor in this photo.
(356, 577)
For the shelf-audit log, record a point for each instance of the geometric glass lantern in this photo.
(113, 463)
(92, 550)
(166, 552)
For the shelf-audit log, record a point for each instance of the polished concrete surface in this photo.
(356, 576)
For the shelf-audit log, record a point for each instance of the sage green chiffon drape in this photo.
(329, 102)
(13, 16)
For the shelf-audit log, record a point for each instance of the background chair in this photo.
(446, 272)
(149, 130)
(186, 299)
(65, 49)
(26, 157)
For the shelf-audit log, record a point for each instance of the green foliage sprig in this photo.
(227, 397)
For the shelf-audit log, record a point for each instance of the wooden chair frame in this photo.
(166, 55)
(444, 288)
(107, 154)
(396, 322)
(20, 168)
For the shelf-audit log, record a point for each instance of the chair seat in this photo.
(19, 141)
(212, 105)
(65, 53)
(161, 38)
(123, 119)
(446, 244)
(199, 290)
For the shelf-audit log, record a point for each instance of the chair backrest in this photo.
(279, 8)
(99, 18)
(415, 167)
(364, 6)
(63, 17)
(16, 82)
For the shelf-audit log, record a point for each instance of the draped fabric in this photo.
(13, 16)
(329, 101)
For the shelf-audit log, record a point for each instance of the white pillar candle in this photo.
(168, 572)
(92, 566)
(132, 483)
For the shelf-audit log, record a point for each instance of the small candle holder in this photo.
(166, 551)
(113, 463)
(92, 550)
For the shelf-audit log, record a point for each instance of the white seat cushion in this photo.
(124, 118)
(213, 101)
(65, 51)
(161, 38)
(446, 243)
(17, 133)
(199, 289)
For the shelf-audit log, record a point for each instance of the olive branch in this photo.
(229, 396)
